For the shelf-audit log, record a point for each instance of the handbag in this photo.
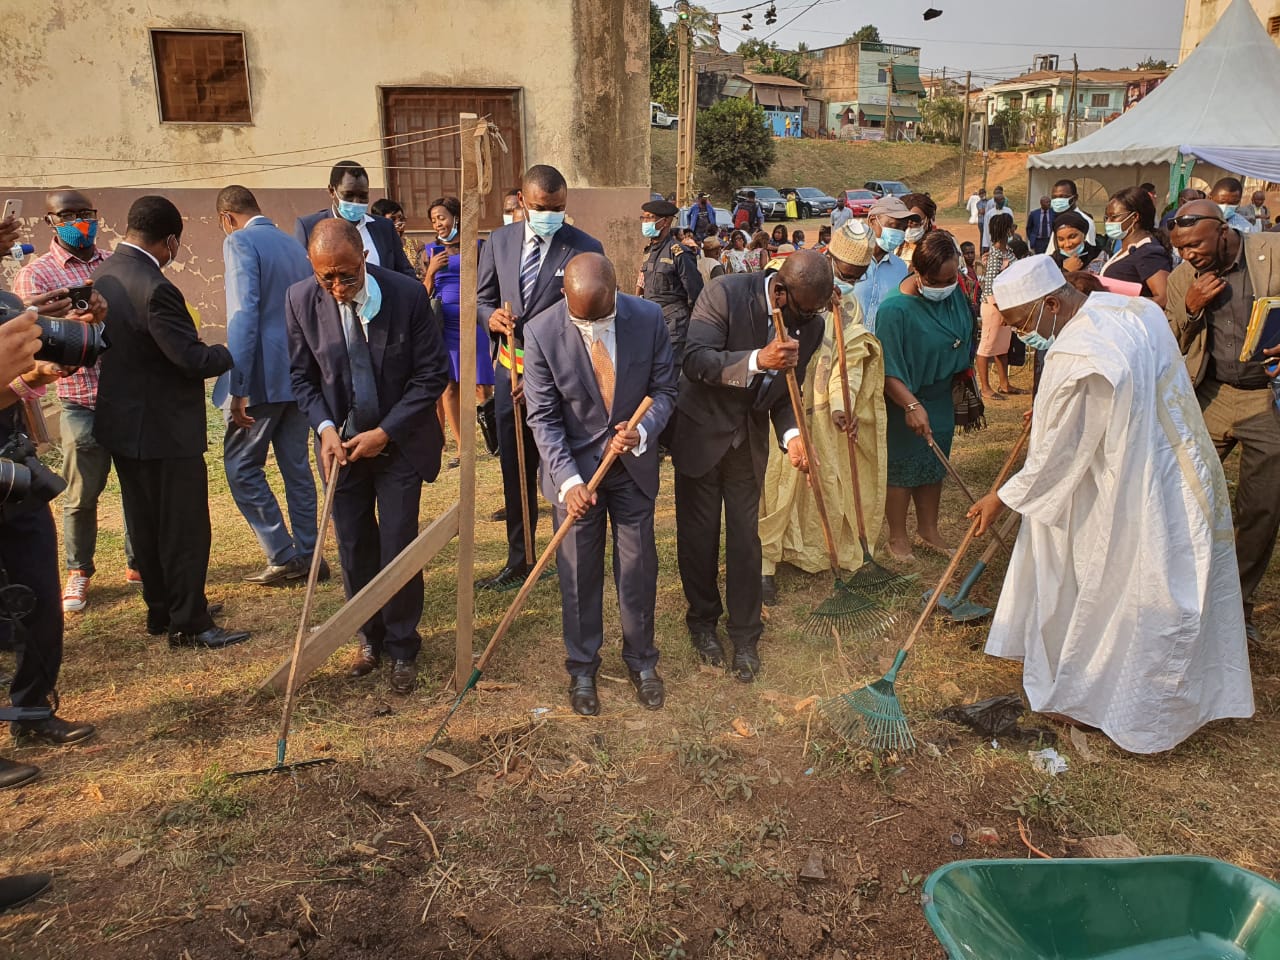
(1017, 355)
(970, 412)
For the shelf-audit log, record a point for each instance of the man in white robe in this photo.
(1122, 598)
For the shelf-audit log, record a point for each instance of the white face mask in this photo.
(937, 294)
(914, 234)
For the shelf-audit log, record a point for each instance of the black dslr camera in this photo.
(68, 343)
(22, 475)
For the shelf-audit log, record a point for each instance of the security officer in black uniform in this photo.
(669, 276)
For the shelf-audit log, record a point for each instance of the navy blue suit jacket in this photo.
(565, 410)
(262, 263)
(409, 364)
(381, 231)
(499, 271)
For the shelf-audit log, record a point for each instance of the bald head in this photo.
(590, 286)
(1207, 244)
(337, 254)
(806, 279)
(334, 233)
(64, 201)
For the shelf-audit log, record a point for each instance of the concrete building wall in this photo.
(1200, 17)
(82, 105)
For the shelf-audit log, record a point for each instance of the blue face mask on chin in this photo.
(352, 212)
(453, 234)
(844, 287)
(1073, 252)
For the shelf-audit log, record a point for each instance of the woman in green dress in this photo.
(926, 330)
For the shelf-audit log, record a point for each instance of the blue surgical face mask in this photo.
(1060, 204)
(1228, 210)
(453, 234)
(890, 239)
(353, 212)
(1034, 339)
(1074, 252)
(937, 294)
(79, 234)
(544, 222)
(1115, 231)
(508, 219)
(649, 228)
(844, 287)
(373, 298)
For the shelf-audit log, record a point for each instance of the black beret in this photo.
(660, 208)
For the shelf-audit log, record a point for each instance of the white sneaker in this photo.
(75, 596)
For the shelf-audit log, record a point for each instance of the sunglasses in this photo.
(1191, 219)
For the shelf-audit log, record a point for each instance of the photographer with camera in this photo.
(72, 258)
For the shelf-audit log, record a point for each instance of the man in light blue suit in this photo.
(262, 262)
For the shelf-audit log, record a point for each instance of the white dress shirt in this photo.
(125, 243)
(369, 248)
(604, 331)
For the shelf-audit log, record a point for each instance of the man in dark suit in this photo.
(1040, 226)
(368, 365)
(523, 264)
(349, 200)
(151, 416)
(733, 384)
(589, 362)
(262, 262)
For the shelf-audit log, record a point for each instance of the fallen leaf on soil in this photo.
(764, 614)
(1081, 742)
(365, 849)
(806, 703)
(490, 685)
(1114, 846)
(129, 858)
(930, 750)
(93, 792)
(711, 671)
(950, 692)
(742, 728)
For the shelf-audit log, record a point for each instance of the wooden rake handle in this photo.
(797, 407)
(543, 561)
(964, 487)
(932, 605)
(518, 416)
(849, 412)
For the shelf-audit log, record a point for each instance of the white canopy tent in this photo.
(1217, 108)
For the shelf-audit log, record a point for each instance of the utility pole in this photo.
(964, 137)
(888, 102)
(985, 145)
(1075, 106)
(687, 109)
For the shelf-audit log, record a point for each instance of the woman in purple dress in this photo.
(442, 281)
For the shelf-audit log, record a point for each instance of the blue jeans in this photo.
(280, 427)
(85, 466)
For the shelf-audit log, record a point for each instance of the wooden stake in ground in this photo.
(531, 581)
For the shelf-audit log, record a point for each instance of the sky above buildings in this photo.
(994, 38)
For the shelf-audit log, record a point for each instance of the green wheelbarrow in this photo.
(1149, 908)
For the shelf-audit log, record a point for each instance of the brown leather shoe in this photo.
(404, 675)
(366, 661)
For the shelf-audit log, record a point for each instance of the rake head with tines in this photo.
(872, 714)
(871, 578)
(852, 614)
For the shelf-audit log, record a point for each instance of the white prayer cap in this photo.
(1026, 281)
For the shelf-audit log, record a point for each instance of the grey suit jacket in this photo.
(565, 410)
(1260, 253)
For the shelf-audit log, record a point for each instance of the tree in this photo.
(1007, 126)
(866, 34)
(734, 144)
(768, 58)
(941, 117)
(664, 70)
(1151, 63)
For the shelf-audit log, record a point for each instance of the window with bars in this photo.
(422, 148)
(1101, 100)
(1273, 26)
(201, 76)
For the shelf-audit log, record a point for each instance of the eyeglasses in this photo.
(1191, 219)
(345, 283)
(66, 216)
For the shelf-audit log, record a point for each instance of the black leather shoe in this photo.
(708, 648)
(215, 638)
(499, 516)
(155, 630)
(649, 689)
(54, 732)
(274, 575)
(768, 591)
(404, 674)
(14, 774)
(18, 889)
(582, 696)
(1251, 635)
(509, 578)
(746, 661)
(304, 564)
(366, 661)
(487, 416)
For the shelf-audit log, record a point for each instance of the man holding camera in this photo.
(72, 258)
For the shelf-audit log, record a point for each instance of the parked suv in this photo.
(891, 187)
(812, 202)
(773, 203)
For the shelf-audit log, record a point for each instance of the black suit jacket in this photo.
(381, 231)
(409, 363)
(730, 320)
(151, 398)
(499, 272)
(566, 411)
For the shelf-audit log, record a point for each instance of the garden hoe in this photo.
(874, 709)
(317, 557)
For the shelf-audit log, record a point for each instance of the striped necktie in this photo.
(529, 273)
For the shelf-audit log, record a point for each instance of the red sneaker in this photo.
(132, 577)
(75, 596)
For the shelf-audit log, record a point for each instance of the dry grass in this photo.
(634, 834)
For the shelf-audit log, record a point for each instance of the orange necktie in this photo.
(603, 367)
